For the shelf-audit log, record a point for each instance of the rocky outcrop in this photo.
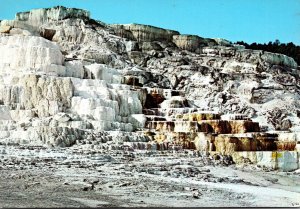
(5, 29)
(188, 42)
(144, 32)
(40, 16)
(279, 59)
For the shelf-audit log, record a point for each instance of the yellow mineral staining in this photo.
(276, 155)
(243, 126)
(159, 138)
(207, 132)
(199, 116)
(5, 29)
(245, 142)
(160, 126)
(173, 123)
(226, 145)
(177, 138)
(186, 126)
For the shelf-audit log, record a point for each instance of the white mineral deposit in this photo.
(97, 115)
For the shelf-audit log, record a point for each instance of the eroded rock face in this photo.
(188, 42)
(145, 32)
(39, 16)
(228, 144)
(47, 96)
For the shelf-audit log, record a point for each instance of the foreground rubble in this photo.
(39, 177)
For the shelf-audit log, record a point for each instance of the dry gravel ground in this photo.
(73, 177)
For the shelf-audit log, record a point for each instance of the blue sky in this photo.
(247, 20)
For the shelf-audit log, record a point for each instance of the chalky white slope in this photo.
(45, 99)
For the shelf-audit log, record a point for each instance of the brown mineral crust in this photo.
(243, 126)
(215, 126)
(286, 145)
(153, 100)
(200, 116)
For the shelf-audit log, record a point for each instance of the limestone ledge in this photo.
(39, 16)
(189, 42)
(194, 43)
(206, 126)
(144, 32)
(249, 57)
(228, 144)
(18, 27)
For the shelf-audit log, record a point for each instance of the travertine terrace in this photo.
(69, 81)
